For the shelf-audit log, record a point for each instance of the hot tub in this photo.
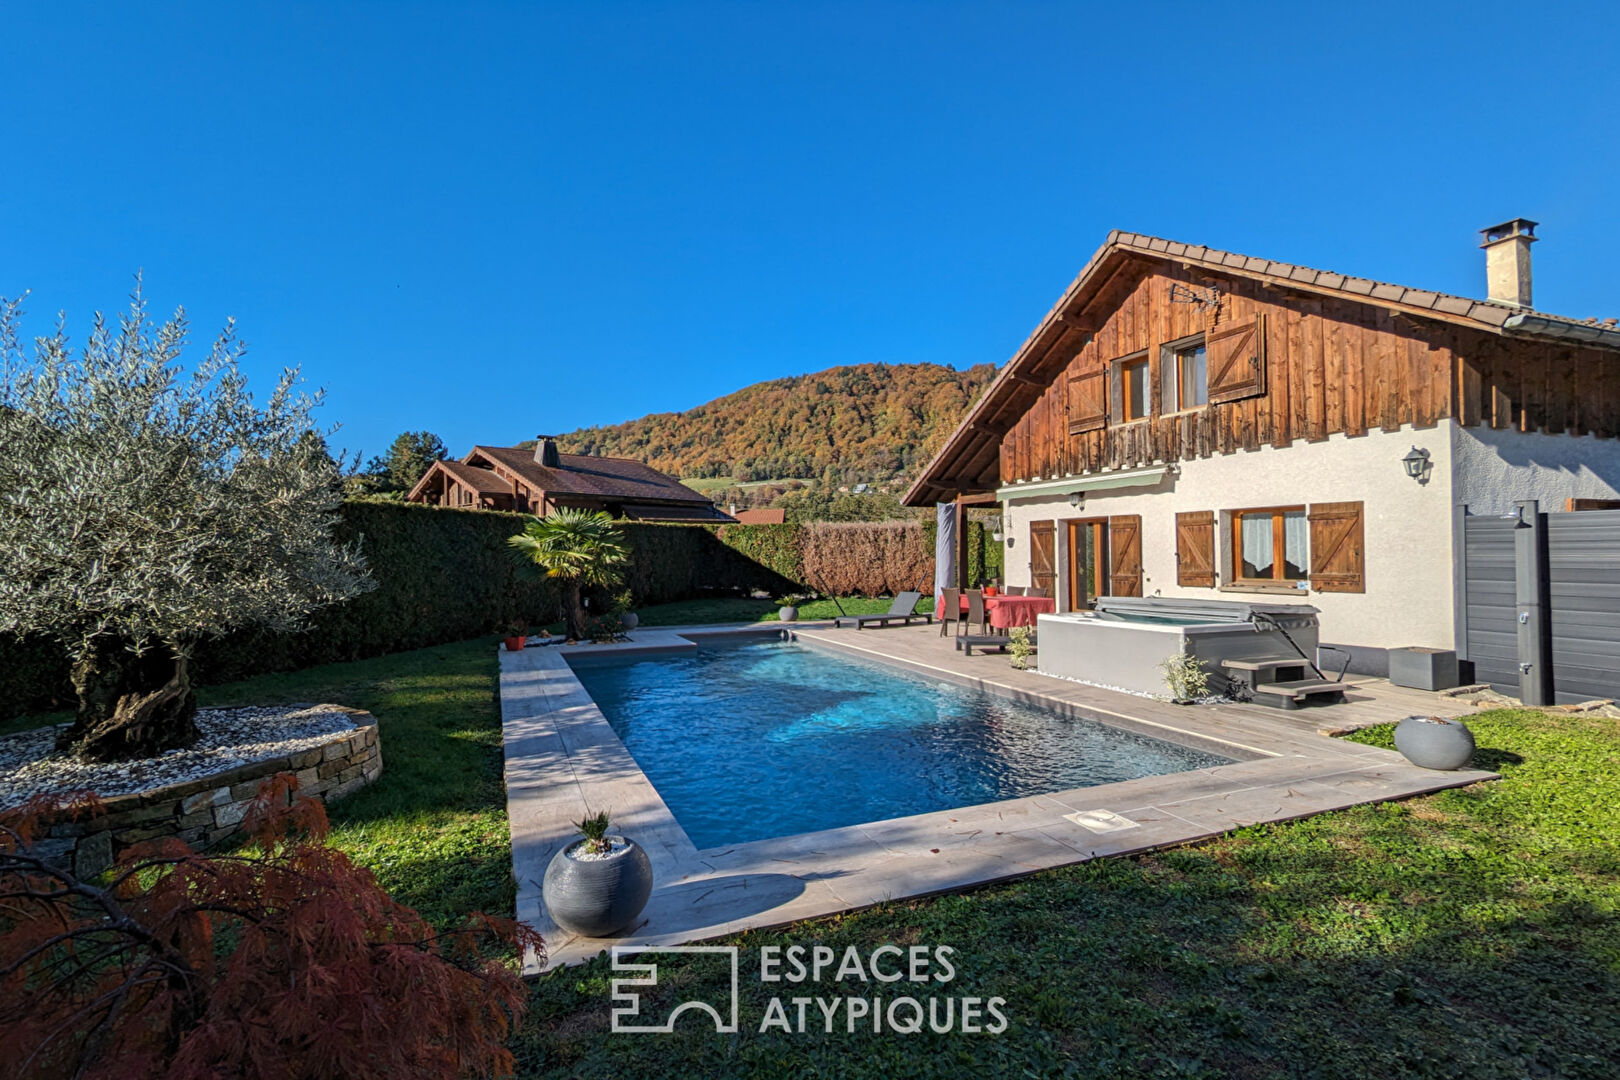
(1125, 640)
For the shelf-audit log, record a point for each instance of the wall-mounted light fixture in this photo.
(1076, 500)
(1417, 465)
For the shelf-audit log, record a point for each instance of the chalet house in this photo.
(1188, 422)
(538, 481)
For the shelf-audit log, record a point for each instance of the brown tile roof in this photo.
(973, 437)
(483, 481)
(615, 479)
(762, 516)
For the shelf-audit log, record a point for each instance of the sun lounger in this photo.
(903, 611)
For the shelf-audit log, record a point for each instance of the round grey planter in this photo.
(598, 897)
(630, 619)
(1431, 743)
(787, 613)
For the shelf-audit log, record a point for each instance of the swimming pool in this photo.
(774, 738)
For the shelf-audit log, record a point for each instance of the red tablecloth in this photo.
(1006, 612)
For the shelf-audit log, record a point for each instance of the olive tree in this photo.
(144, 508)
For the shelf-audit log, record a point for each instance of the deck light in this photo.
(1417, 464)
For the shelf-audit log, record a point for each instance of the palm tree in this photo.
(578, 548)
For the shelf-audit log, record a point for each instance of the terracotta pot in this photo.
(597, 897)
(514, 644)
(1431, 743)
(991, 590)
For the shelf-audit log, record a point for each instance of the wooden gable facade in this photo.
(1292, 353)
(1285, 365)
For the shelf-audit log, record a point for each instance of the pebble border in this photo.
(208, 809)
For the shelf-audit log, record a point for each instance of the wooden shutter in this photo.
(1237, 360)
(1088, 401)
(1043, 555)
(1195, 549)
(1125, 555)
(1337, 556)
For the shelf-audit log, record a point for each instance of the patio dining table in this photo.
(1006, 612)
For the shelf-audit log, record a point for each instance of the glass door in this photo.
(1088, 561)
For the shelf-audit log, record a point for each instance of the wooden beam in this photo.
(961, 545)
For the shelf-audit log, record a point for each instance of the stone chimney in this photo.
(545, 451)
(1507, 261)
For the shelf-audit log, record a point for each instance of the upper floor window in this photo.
(1270, 545)
(1186, 376)
(1136, 397)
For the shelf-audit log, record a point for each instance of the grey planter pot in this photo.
(600, 897)
(1430, 743)
(788, 613)
(630, 619)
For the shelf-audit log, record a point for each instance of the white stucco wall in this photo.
(1408, 528)
(1493, 469)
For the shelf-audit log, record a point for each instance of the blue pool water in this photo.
(746, 742)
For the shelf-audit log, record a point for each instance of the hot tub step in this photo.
(1288, 695)
(1261, 665)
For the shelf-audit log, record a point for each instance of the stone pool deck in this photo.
(563, 761)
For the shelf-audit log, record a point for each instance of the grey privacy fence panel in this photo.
(1492, 633)
(1583, 585)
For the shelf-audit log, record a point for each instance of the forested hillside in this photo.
(863, 423)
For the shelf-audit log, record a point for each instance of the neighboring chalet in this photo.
(538, 481)
(1189, 422)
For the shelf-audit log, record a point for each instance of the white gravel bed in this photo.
(30, 764)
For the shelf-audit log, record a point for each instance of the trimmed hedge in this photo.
(448, 575)
(677, 562)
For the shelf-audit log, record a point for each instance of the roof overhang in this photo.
(1086, 482)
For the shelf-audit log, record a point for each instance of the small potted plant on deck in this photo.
(1184, 674)
(517, 632)
(597, 885)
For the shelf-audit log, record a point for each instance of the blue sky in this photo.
(491, 220)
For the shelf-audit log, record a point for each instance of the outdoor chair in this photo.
(1014, 590)
(903, 611)
(976, 614)
(949, 610)
(1036, 592)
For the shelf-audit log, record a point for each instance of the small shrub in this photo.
(594, 829)
(267, 964)
(1022, 646)
(1184, 674)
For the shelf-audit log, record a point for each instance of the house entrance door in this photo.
(1088, 561)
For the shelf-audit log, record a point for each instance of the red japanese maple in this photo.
(287, 961)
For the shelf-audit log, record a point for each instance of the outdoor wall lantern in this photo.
(1417, 465)
(1076, 499)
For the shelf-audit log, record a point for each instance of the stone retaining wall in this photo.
(210, 808)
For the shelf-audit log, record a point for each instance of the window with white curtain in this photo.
(1270, 545)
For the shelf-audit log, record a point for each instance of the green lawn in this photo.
(433, 825)
(1469, 934)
